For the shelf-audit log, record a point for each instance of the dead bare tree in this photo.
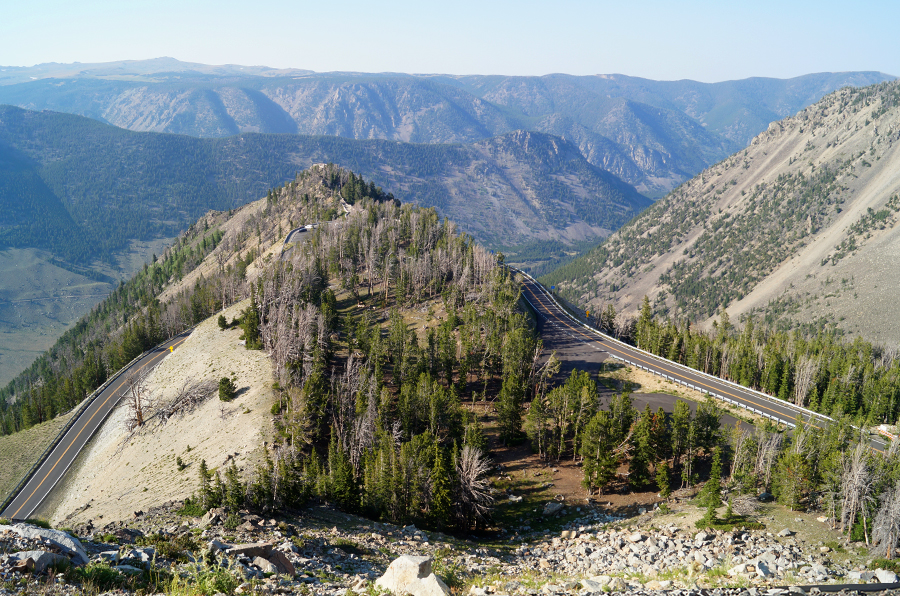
(807, 369)
(767, 450)
(193, 392)
(857, 482)
(137, 401)
(886, 527)
(473, 500)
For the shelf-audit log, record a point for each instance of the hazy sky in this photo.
(665, 39)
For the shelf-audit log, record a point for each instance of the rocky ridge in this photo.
(322, 551)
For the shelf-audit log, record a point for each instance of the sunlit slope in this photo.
(799, 227)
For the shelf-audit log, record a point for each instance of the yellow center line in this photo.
(85, 425)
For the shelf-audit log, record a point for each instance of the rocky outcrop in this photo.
(412, 575)
(69, 545)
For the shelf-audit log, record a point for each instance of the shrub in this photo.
(227, 389)
(232, 521)
(191, 508)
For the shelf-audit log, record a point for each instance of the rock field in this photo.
(324, 552)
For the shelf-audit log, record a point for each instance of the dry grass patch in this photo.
(20, 451)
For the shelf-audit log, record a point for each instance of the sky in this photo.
(706, 41)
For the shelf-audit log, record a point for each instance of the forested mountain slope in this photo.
(652, 134)
(86, 194)
(84, 189)
(366, 409)
(799, 227)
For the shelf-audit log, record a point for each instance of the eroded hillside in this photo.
(800, 226)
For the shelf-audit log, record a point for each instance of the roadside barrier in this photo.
(577, 319)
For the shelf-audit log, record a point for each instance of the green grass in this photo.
(20, 451)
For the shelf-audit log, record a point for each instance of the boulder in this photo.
(129, 569)
(552, 508)
(567, 534)
(209, 518)
(264, 550)
(593, 586)
(762, 570)
(785, 533)
(412, 575)
(264, 565)
(636, 537)
(861, 576)
(68, 544)
(885, 577)
(217, 545)
(40, 560)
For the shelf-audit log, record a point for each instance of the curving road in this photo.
(62, 456)
(577, 342)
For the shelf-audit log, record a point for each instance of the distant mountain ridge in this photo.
(801, 228)
(99, 187)
(652, 134)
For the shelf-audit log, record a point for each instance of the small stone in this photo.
(785, 533)
(617, 584)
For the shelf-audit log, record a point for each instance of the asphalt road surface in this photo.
(578, 346)
(56, 465)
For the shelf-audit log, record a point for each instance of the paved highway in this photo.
(587, 344)
(62, 456)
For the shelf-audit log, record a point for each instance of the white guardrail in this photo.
(773, 400)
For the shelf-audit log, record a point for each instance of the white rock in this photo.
(591, 586)
(742, 568)
(412, 575)
(617, 584)
(67, 543)
(861, 576)
(886, 577)
(636, 537)
(785, 533)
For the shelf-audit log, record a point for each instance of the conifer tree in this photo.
(441, 506)
(662, 479)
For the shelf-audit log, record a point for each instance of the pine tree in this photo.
(509, 409)
(711, 496)
(234, 489)
(597, 449)
(662, 479)
(441, 506)
(205, 490)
